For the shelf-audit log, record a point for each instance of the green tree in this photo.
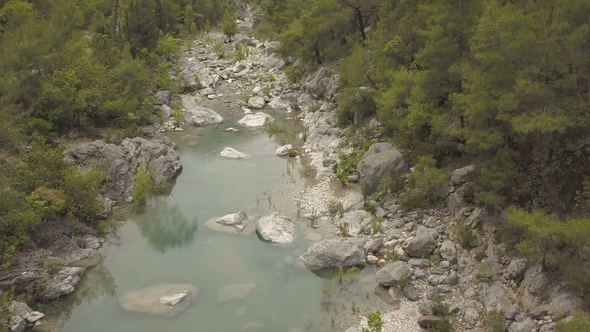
(140, 27)
(228, 23)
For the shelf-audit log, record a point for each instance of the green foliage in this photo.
(579, 323)
(228, 23)
(335, 209)
(369, 207)
(444, 326)
(426, 184)
(145, 186)
(292, 153)
(377, 226)
(169, 47)
(559, 243)
(391, 186)
(346, 167)
(467, 236)
(495, 321)
(375, 321)
(273, 128)
(241, 52)
(343, 229)
(140, 27)
(439, 307)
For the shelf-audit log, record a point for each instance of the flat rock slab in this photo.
(214, 225)
(238, 220)
(235, 292)
(149, 300)
(231, 153)
(259, 119)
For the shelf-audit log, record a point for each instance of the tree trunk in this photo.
(359, 17)
(115, 22)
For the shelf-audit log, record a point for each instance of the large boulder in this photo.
(392, 273)
(420, 245)
(333, 253)
(274, 61)
(322, 85)
(527, 325)
(463, 175)
(123, 160)
(162, 98)
(163, 300)
(276, 228)
(259, 119)
(256, 102)
(381, 160)
(197, 115)
(238, 220)
(62, 283)
(196, 74)
(280, 102)
(494, 297)
(283, 150)
(231, 153)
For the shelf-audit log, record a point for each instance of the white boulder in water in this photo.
(197, 115)
(231, 153)
(256, 102)
(284, 150)
(256, 120)
(162, 300)
(276, 228)
(238, 220)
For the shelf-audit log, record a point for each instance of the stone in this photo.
(238, 220)
(430, 321)
(372, 259)
(435, 280)
(62, 283)
(256, 102)
(452, 279)
(254, 327)
(149, 300)
(232, 129)
(315, 237)
(197, 115)
(235, 292)
(512, 311)
(392, 273)
(494, 297)
(321, 85)
(374, 244)
(231, 153)
(448, 251)
(274, 62)
(410, 292)
(463, 175)
(517, 268)
(167, 112)
(280, 103)
(384, 294)
(333, 253)
(548, 328)
(419, 246)
(259, 119)
(357, 221)
(173, 299)
(284, 150)
(381, 160)
(17, 323)
(162, 98)
(419, 263)
(34, 316)
(526, 325)
(19, 308)
(276, 228)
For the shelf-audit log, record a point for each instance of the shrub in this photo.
(292, 153)
(335, 208)
(145, 186)
(427, 185)
(467, 236)
(579, 323)
(375, 321)
(439, 308)
(377, 226)
(346, 167)
(495, 321)
(559, 243)
(169, 47)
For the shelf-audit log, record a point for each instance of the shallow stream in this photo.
(168, 243)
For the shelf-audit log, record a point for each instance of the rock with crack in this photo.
(238, 220)
(17, 323)
(163, 300)
(62, 283)
(333, 253)
(231, 153)
(259, 119)
(256, 102)
(276, 228)
(392, 273)
(381, 160)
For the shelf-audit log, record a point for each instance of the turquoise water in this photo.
(168, 243)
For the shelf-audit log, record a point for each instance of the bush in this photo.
(145, 186)
(427, 185)
(335, 208)
(346, 167)
(169, 47)
(495, 321)
(466, 235)
(559, 243)
(375, 321)
(579, 323)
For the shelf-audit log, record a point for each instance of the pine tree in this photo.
(228, 23)
(140, 27)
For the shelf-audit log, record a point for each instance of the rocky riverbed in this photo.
(418, 257)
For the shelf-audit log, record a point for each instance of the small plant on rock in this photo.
(335, 209)
(292, 153)
(374, 321)
(343, 229)
(377, 226)
(439, 308)
(467, 236)
(495, 321)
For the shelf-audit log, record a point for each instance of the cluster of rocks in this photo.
(22, 317)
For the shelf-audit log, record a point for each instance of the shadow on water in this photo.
(166, 227)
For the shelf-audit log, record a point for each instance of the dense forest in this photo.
(501, 84)
(68, 69)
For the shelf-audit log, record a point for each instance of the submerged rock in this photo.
(259, 119)
(235, 292)
(333, 253)
(238, 220)
(276, 228)
(157, 300)
(231, 153)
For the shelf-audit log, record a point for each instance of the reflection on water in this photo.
(167, 244)
(165, 227)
